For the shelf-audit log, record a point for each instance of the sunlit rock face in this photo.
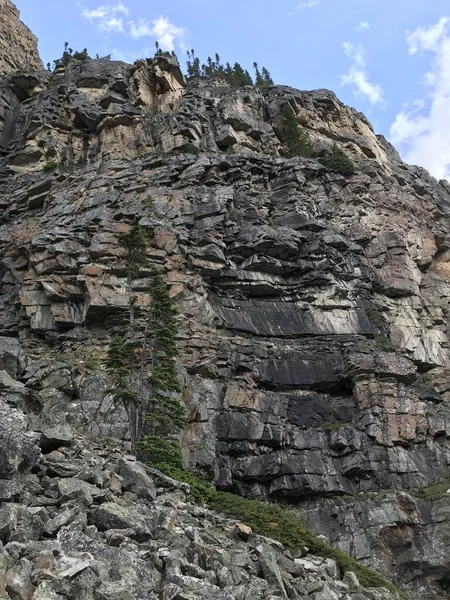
(313, 307)
(18, 46)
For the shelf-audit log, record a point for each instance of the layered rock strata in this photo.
(313, 308)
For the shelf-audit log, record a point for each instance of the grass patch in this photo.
(91, 364)
(50, 166)
(334, 426)
(278, 523)
(374, 316)
(433, 492)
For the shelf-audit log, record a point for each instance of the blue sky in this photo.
(388, 58)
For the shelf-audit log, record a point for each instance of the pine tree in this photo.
(142, 365)
(295, 138)
(268, 81)
(69, 54)
(83, 55)
(165, 416)
(235, 75)
(118, 365)
(259, 81)
(338, 162)
(240, 77)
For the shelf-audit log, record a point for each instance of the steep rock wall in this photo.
(18, 46)
(314, 347)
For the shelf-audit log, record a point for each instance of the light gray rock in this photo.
(113, 516)
(10, 356)
(17, 581)
(18, 451)
(136, 479)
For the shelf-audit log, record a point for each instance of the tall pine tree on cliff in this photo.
(142, 366)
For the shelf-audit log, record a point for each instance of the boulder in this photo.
(18, 451)
(135, 479)
(113, 516)
(10, 356)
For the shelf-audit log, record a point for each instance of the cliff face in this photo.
(314, 347)
(18, 46)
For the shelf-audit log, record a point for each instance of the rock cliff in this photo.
(18, 46)
(313, 307)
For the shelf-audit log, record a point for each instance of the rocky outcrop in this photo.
(89, 523)
(18, 46)
(314, 347)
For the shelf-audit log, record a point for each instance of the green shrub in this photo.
(68, 55)
(276, 522)
(296, 140)
(91, 364)
(384, 343)
(338, 162)
(374, 316)
(149, 201)
(50, 166)
(55, 166)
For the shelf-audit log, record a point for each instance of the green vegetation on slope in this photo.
(433, 492)
(278, 523)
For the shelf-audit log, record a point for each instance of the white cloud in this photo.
(422, 131)
(165, 32)
(110, 18)
(309, 4)
(427, 38)
(357, 77)
(107, 18)
(363, 26)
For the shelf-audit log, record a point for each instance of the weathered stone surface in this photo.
(71, 489)
(10, 356)
(112, 516)
(136, 479)
(18, 46)
(17, 581)
(61, 520)
(18, 451)
(53, 437)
